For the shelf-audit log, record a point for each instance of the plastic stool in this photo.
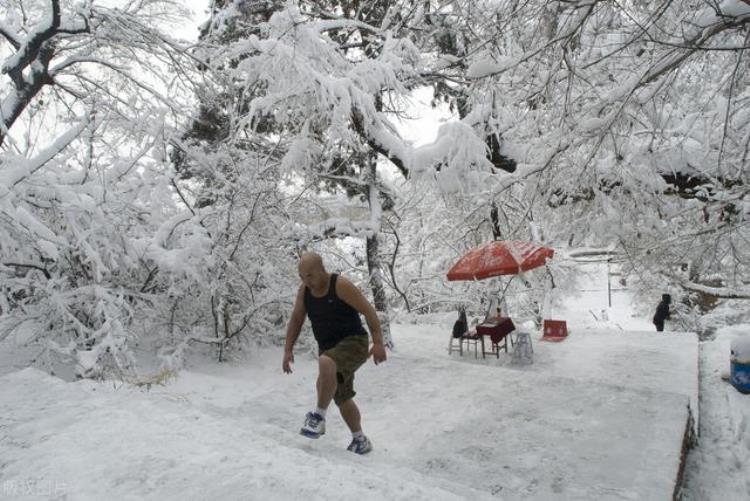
(523, 352)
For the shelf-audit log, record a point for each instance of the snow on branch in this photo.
(732, 14)
(80, 58)
(63, 44)
(340, 227)
(30, 47)
(488, 68)
(457, 146)
(14, 174)
(33, 225)
(7, 32)
(736, 8)
(722, 292)
(384, 142)
(308, 80)
(339, 24)
(35, 51)
(34, 43)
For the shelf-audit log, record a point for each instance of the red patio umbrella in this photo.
(502, 257)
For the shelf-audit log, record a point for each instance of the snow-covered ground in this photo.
(599, 416)
(443, 427)
(719, 468)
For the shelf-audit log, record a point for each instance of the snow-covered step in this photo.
(63, 439)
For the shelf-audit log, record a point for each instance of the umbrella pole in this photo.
(546, 312)
(504, 301)
(499, 295)
(491, 302)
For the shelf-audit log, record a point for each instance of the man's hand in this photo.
(286, 365)
(378, 353)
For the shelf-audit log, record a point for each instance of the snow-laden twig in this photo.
(13, 175)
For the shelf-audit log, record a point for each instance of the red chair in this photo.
(555, 330)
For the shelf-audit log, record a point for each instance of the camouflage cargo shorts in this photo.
(349, 354)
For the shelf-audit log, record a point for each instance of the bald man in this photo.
(333, 305)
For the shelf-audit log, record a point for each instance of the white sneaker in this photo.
(315, 425)
(360, 445)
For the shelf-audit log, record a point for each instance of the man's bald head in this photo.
(311, 261)
(313, 272)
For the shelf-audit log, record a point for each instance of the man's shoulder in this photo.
(342, 279)
(345, 288)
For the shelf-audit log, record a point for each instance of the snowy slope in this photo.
(443, 427)
(598, 416)
(88, 441)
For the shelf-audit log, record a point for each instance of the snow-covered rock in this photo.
(741, 349)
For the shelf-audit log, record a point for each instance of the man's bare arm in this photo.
(351, 295)
(293, 328)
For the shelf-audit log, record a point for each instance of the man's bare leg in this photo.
(315, 421)
(350, 413)
(326, 381)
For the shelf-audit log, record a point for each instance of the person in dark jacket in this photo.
(462, 324)
(662, 312)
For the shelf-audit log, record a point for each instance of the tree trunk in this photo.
(374, 267)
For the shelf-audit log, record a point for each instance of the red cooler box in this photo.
(555, 330)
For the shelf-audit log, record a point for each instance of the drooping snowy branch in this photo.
(719, 292)
(59, 49)
(11, 175)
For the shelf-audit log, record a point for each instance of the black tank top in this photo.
(331, 318)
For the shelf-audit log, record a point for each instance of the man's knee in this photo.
(327, 363)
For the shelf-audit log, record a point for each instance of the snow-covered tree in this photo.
(145, 188)
(626, 123)
(317, 81)
(86, 112)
